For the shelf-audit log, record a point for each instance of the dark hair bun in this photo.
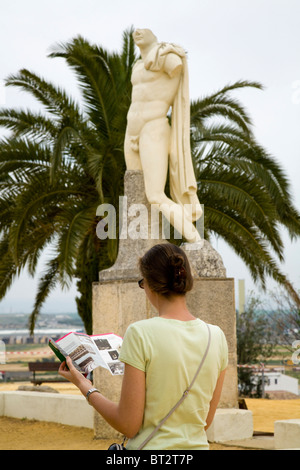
(167, 270)
(178, 273)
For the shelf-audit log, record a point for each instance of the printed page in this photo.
(89, 352)
(109, 347)
(82, 351)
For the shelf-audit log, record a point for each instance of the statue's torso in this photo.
(152, 95)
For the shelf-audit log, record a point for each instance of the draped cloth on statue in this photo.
(183, 185)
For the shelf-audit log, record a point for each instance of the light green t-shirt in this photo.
(169, 352)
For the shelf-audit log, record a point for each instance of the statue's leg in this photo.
(131, 151)
(154, 155)
(154, 150)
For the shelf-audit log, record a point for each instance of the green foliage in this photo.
(58, 165)
(255, 334)
(245, 192)
(285, 318)
(255, 344)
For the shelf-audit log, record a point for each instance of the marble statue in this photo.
(160, 83)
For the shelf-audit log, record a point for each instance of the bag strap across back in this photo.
(185, 394)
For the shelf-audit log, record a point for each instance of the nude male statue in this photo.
(158, 84)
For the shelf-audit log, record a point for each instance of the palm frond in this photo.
(91, 67)
(34, 126)
(75, 224)
(55, 99)
(46, 285)
(59, 164)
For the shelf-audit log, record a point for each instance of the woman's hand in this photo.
(69, 372)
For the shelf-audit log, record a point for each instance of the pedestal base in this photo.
(117, 304)
(287, 434)
(229, 425)
(118, 301)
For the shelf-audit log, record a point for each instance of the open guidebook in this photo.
(89, 352)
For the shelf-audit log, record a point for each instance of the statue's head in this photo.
(144, 37)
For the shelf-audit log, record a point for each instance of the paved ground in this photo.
(17, 434)
(32, 435)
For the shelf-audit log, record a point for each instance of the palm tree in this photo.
(59, 165)
(244, 190)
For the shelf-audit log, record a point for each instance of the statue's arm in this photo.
(173, 65)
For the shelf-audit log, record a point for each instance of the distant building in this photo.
(276, 381)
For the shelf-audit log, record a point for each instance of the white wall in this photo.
(284, 383)
(71, 410)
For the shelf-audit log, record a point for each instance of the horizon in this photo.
(211, 32)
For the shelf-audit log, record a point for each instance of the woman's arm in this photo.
(215, 399)
(127, 415)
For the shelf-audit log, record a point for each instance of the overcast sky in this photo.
(226, 40)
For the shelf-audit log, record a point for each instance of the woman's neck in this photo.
(175, 309)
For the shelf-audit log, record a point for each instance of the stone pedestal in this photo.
(212, 300)
(287, 434)
(118, 301)
(230, 424)
(140, 229)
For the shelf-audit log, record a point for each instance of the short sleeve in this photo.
(133, 349)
